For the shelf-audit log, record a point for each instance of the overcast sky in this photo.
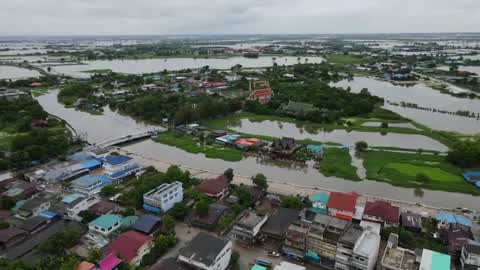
(83, 17)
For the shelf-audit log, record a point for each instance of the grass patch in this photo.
(401, 169)
(98, 71)
(338, 162)
(345, 59)
(190, 144)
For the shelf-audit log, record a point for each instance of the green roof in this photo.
(319, 197)
(440, 261)
(258, 267)
(106, 221)
(129, 221)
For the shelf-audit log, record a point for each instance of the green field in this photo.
(346, 59)
(192, 145)
(401, 169)
(338, 162)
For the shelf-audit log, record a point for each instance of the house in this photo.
(109, 262)
(147, 224)
(447, 220)
(128, 171)
(319, 203)
(70, 170)
(323, 238)
(163, 198)
(284, 147)
(456, 239)
(113, 164)
(365, 252)
(215, 257)
(248, 143)
(78, 205)
(277, 225)
(382, 212)
(247, 228)
(346, 244)
(131, 246)
(34, 224)
(342, 205)
(470, 258)
(104, 207)
(296, 238)
(397, 258)
(11, 236)
(11, 94)
(105, 224)
(90, 184)
(317, 150)
(215, 188)
(432, 260)
(209, 221)
(33, 207)
(411, 221)
(228, 139)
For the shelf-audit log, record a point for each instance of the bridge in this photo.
(126, 139)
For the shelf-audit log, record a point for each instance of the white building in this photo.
(289, 266)
(163, 197)
(78, 205)
(365, 252)
(89, 184)
(247, 228)
(207, 252)
(33, 207)
(470, 255)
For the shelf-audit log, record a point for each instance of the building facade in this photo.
(163, 198)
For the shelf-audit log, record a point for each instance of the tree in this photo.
(108, 191)
(229, 174)
(95, 255)
(423, 178)
(168, 223)
(87, 216)
(129, 211)
(260, 181)
(178, 211)
(293, 202)
(59, 242)
(361, 146)
(202, 207)
(234, 260)
(384, 125)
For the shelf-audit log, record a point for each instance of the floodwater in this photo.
(423, 96)
(98, 128)
(94, 128)
(8, 72)
(156, 65)
(279, 129)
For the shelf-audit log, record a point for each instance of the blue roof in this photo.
(125, 172)
(116, 160)
(315, 148)
(472, 177)
(454, 219)
(92, 163)
(48, 214)
(90, 179)
(80, 156)
(72, 197)
(319, 197)
(147, 223)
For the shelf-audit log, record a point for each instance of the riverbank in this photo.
(286, 188)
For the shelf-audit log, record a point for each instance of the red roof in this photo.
(262, 93)
(214, 186)
(247, 142)
(110, 262)
(215, 84)
(343, 201)
(384, 210)
(127, 244)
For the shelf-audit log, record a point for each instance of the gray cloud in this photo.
(70, 17)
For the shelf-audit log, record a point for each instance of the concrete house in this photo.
(346, 244)
(365, 252)
(382, 212)
(216, 188)
(105, 224)
(342, 205)
(163, 198)
(90, 184)
(77, 204)
(247, 228)
(33, 207)
(215, 257)
(131, 246)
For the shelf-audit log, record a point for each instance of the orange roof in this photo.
(247, 142)
(85, 266)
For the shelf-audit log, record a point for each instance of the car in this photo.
(273, 254)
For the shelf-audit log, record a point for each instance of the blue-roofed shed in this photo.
(91, 164)
(49, 214)
(91, 179)
(116, 160)
(472, 177)
(315, 148)
(319, 203)
(125, 172)
(80, 156)
(454, 219)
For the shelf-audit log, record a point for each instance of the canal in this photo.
(98, 128)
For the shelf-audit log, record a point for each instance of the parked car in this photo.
(273, 254)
